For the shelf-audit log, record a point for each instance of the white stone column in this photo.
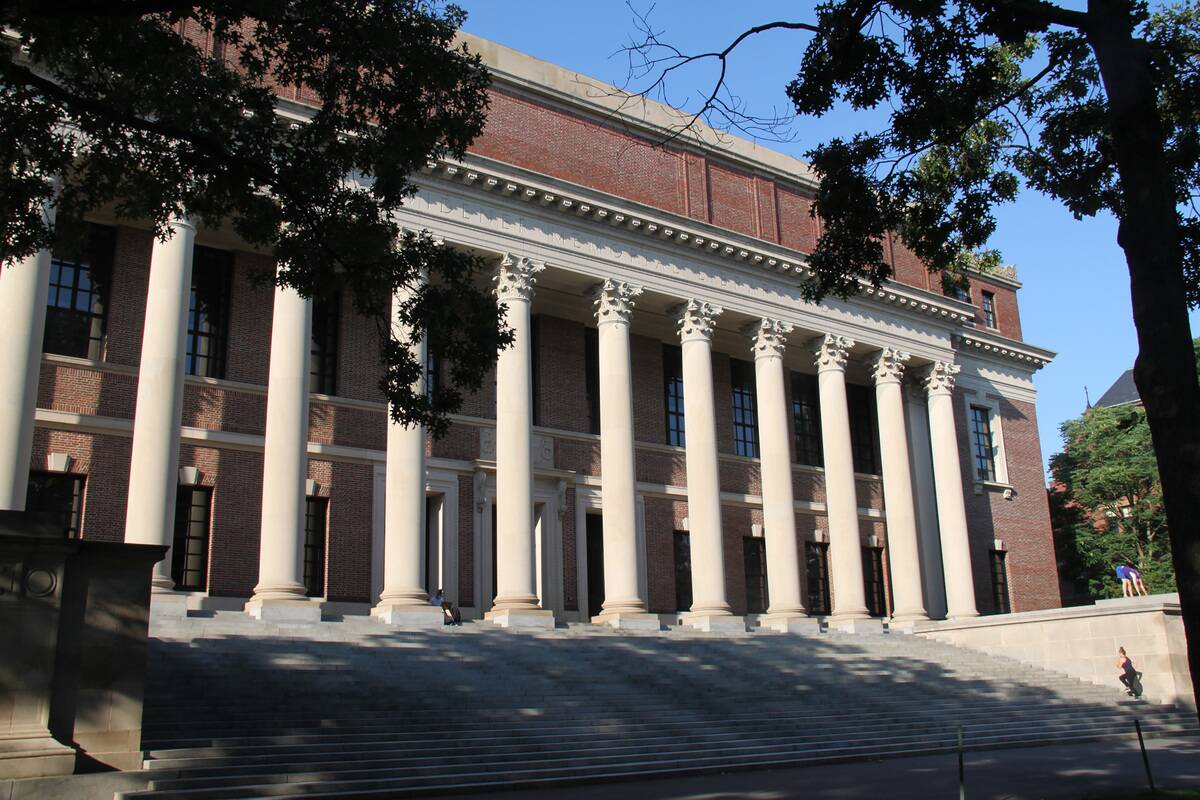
(947, 478)
(154, 464)
(516, 603)
(404, 600)
(841, 497)
(903, 547)
(624, 607)
(280, 593)
(24, 286)
(786, 611)
(710, 609)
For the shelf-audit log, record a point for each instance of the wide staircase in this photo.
(238, 709)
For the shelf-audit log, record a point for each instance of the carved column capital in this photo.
(939, 378)
(888, 365)
(516, 277)
(832, 352)
(696, 319)
(768, 337)
(614, 300)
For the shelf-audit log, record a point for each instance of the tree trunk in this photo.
(1165, 370)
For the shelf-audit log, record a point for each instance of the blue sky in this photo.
(1075, 299)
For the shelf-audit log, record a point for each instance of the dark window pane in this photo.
(208, 312)
(322, 362)
(745, 419)
(860, 403)
(535, 370)
(673, 385)
(1000, 602)
(754, 551)
(591, 347)
(683, 571)
(982, 446)
(806, 417)
(77, 298)
(989, 309)
(189, 553)
(316, 512)
(872, 560)
(816, 556)
(57, 497)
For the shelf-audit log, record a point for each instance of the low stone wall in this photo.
(1082, 641)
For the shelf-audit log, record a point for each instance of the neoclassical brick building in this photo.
(675, 430)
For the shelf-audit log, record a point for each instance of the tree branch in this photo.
(97, 8)
(1046, 12)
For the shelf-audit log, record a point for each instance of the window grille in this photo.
(78, 297)
(745, 422)
(989, 309)
(806, 417)
(860, 402)
(683, 571)
(999, 564)
(208, 313)
(816, 556)
(189, 553)
(673, 383)
(323, 356)
(982, 445)
(872, 561)
(56, 496)
(754, 552)
(316, 515)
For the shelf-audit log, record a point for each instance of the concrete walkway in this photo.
(1095, 770)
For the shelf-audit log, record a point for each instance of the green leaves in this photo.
(296, 123)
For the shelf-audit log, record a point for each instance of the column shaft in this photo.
(23, 292)
(841, 498)
(622, 597)
(154, 465)
(280, 592)
(703, 473)
(779, 514)
(404, 600)
(947, 476)
(903, 547)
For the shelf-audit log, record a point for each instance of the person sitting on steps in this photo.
(1129, 675)
(451, 614)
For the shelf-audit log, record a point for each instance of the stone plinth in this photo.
(521, 618)
(790, 623)
(409, 615)
(629, 621)
(74, 615)
(1082, 642)
(713, 623)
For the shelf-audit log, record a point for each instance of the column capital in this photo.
(832, 352)
(768, 337)
(516, 277)
(939, 377)
(614, 300)
(696, 319)
(887, 366)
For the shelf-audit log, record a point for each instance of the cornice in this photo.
(485, 176)
(1005, 275)
(980, 342)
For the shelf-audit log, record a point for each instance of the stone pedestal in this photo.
(790, 623)
(867, 625)
(629, 621)
(713, 623)
(407, 615)
(74, 616)
(537, 618)
(284, 610)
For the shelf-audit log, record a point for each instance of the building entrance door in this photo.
(595, 564)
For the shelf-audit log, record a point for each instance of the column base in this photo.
(288, 611)
(409, 615)
(713, 623)
(533, 618)
(905, 623)
(859, 625)
(790, 623)
(966, 615)
(34, 756)
(628, 621)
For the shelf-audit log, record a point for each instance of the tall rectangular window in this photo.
(982, 446)
(316, 515)
(433, 373)
(806, 418)
(816, 556)
(189, 553)
(989, 309)
(591, 365)
(56, 497)
(860, 403)
(535, 369)
(999, 581)
(683, 571)
(322, 362)
(872, 562)
(78, 298)
(961, 292)
(208, 312)
(745, 420)
(754, 552)
(673, 385)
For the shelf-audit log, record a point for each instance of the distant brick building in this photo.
(772, 457)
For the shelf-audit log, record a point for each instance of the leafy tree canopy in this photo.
(1107, 501)
(156, 108)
